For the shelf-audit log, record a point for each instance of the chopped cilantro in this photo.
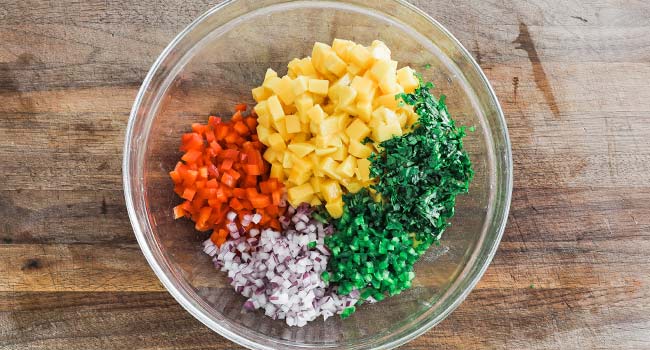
(419, 174)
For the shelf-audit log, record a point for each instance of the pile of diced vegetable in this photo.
(326, 193)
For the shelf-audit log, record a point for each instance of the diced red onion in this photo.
(280, 273)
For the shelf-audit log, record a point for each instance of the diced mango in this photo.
(292, 123)
(328, 166)
(335, 209)
(364, 87)
(364, 110)
(315, 182)
(345, 96)
(299, 177)
(385, 132)
(363, 169)
(270, 155)
(261, 93)
(263, 133)
(276, 142)
(263, 114)
(407, 79)
(340, 154)
(381, 70)
(272, 83)
(342, 48)
(284, 90)
(318, 86)
(275, 108)
(301, 149)
(333, 63)
(303, 103)
(360, 56)
(318, 56)
(277, 171)
(358, 149)
(379, 50)
(353, 186)
(314, 119)
(305, 68)
(387, 100)
(297, 194)
(325, 151)
(287, 160)
(346, 168)
(328, 126)
(357, 130)
(330, 190)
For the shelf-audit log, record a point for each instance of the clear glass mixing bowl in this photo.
(213, 64)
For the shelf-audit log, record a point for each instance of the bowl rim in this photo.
(233, 336)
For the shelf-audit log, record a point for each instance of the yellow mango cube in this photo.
(388, 101)
(272, 83)
(263, 133)
(345, 96)
(363, 169)
(298, 194)
(302, 136)
(364, 87)
(353, 186)
(263, 114)
(342, 48)
(261, 93)
(407, 79)
(318, 54)
(357, 130)
(384, 132)
(281, 127)
(329, 126)
(330, 190)
(335, 209)
(346, 168)
(301, 149)
(270, 73)
(325, 151)
(275, 108)
(277, 171)
(364, 110)
(379, 50)
(287, 160)
(284, 90)
(276, 142)
(360, 56)
(316, 114)
(318, 86)
(334, 64)
(298, 177)
(292, 123)
(303, 103)
(355, 70)
(315, 201)
(299, 85)
(316, 184)
(358, 149)
(270, 155)
(305, 68)
(340, 154)
(381, 71)
(329, 166)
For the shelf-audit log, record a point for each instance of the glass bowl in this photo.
(213, 64)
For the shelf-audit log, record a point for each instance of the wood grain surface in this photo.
(572, 272)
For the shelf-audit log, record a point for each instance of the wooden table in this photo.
(572, 272)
